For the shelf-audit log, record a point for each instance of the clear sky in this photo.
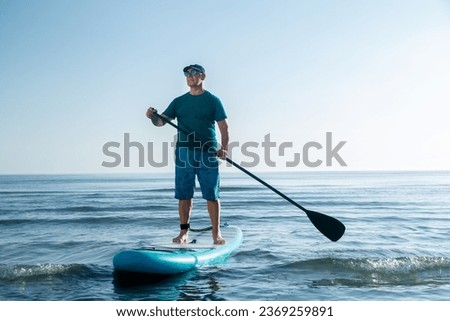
(75, 75)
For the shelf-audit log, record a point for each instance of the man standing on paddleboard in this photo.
(196, 154)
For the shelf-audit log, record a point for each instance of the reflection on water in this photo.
(193, 285)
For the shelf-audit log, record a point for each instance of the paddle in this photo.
(327, 225)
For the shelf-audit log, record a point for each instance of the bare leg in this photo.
(184, 210)
(214, 215)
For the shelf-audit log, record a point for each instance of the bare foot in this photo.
(218, 240)
(181, 238)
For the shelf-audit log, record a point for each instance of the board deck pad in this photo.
(168, 258)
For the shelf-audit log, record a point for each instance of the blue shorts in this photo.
(190, 163)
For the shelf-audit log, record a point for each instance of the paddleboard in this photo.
(172, 258)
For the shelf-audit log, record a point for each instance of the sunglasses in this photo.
(191, 72)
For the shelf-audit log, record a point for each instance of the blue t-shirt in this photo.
(197, 114)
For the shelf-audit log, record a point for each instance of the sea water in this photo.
(59, 234)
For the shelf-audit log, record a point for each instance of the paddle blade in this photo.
(327, 225)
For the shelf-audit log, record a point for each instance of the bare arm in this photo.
(225, 136)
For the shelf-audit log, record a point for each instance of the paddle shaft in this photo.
(328, 226)
(265, 184)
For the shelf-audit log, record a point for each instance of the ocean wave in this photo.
(109, 220)
(242, 188)
(99, 209)
(85, 209)
(41, 271)
(256, 253)
(28, 193)
(371, 265)
(376, 272)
